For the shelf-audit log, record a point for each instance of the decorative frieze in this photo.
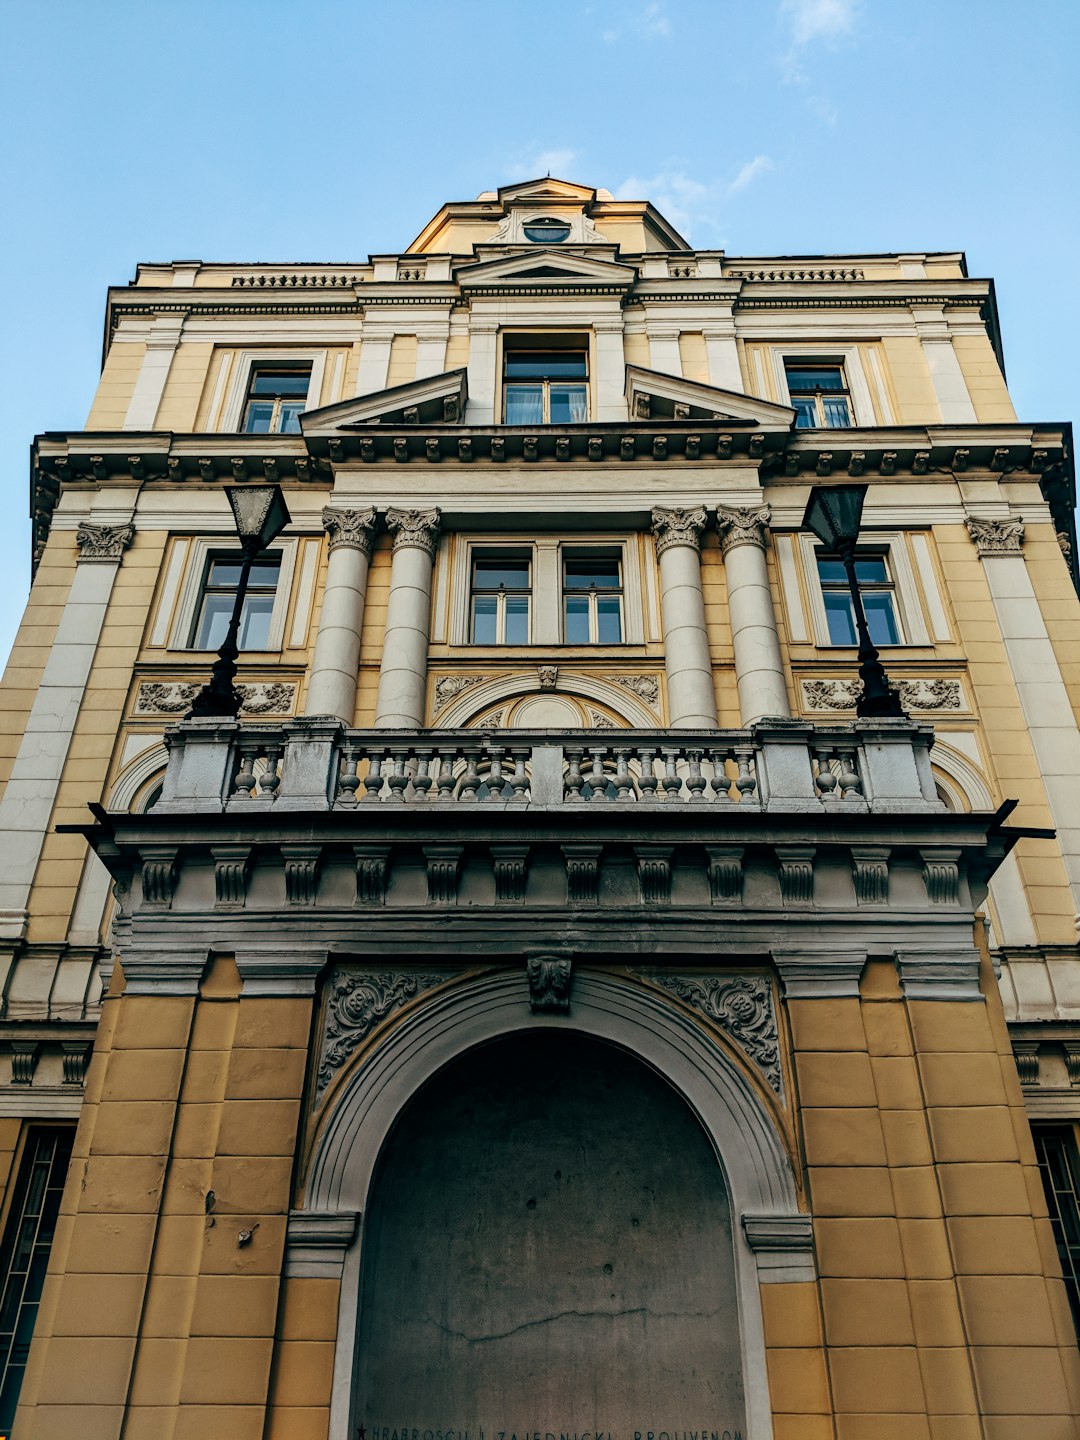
(371, 873)
(941, 872)
(870, 871)
(725, 873)
(996, 537)
(230, 873)
(174, 697)
(795, 869)
(511, 868)
(102, 544)
(356, 1002)
(350, 529)
(443, 865)
(742, 527)
(921, 694)
(654, 873)
(678, 527)
(301, 873)
(742, 1005)
(549, 979)
(418, 529)
(582, 873)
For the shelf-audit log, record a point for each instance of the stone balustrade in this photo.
(318, 764)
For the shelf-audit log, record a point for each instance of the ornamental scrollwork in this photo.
(996, 537)
(744, 526)
(645, 687)
(678, 527)
(416, 529)
(356, 1003)
(102, 543)
(350, 529)
(171, 697)
(922, 694)
(448, 687)
(742, 1005)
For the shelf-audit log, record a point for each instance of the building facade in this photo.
(548, 1010)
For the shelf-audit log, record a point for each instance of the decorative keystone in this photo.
(549, 983)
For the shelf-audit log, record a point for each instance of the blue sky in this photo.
(325, 130)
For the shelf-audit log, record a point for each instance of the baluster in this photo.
(422, 780)
(397, 779)
(373, 780)
(348, 780)
(447, 757)
(244, 783)
(574, 781)
(647, 779)
(470, 781)
(850, 782)
(746, 781)
(495, 772)
(696, 782)
(520, 780)
(721, 782)
(825, 780)
(597, 777)
(624, 787)
(271, 778)
(672, 782)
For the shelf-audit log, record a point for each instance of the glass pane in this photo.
(805, 413)
(551, 232)
(840, 617)
(280, 382)
(831, 570)
(837, 414)
(545, 364)
(568, 404)
(259, 415)
(517, 620)
(881, 618)
(255, 622)
(291, 410)
(524, 405)
(213, 621)
(576, 626)
(224, 572)
(490, 573)
(608, 619)
(586, 572)
(870, 569)
(815, 377)
(484, 618)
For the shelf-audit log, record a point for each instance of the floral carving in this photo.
(448, 687)
(645, 687)
(350, 529)
(102, 543)
(356, 1003)
(742, 527)
(996, 537)
(742, 1006)
(678, 527)
(924, 694)
(416, 528)
(171, 697)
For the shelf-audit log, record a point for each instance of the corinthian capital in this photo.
(350, 529)
(418, 528)
(678, 527)
(742, 527)
(102, 543)
(996, 537)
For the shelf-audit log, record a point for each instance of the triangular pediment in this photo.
(547, 188)
(652, 395)
(543, 267)
(438, 399)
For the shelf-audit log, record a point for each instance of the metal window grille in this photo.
(24, 1256)
(1059, 1166)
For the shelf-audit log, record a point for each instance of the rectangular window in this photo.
(276, 397)
(545, 380)
(592, 598)
(819, 396)
(24, 1255)
(501, 591)
(219, 596)
(878, 593)
(1059, 1166)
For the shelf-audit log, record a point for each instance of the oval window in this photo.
(547, 229)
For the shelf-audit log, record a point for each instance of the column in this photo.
(161, 343)
(691, 698)
(26, 809)
(759, 668)
(723, 355)
(332, 686)
(946, 376)
(403, 678)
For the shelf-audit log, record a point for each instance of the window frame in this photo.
(569, 550)
(555, 339)
(887, 586)
(277, 401)
(254, 590)
(239, 383)
(500, 552)
(842, 392)
(911, 620)
(848, 357)
(200, 553)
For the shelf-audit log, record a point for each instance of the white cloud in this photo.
(651, 22)
(759, 165)
(532, 164)
(819, 19)
(690, 203)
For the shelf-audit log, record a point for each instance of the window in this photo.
(219, 595)
(500, 599)
(276, 397)
(25, 1255)
(1059, 1166)
(878, 596)
(592, 599)
(545, 382)
(819, 395)
(546, 230)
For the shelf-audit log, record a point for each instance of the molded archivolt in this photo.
(471, 706)
(128, 786)
(738, 1119)
(964, 785)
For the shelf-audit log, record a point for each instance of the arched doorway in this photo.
(548, 1251)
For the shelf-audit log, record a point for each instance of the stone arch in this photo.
(620, 699)
(963, 783)
(135, 776)
(771, 1237)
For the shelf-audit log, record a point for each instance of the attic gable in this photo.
(546, 189)
(438, 399)
(543, 267)
(651, 395)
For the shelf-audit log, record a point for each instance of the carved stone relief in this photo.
(102, 543)
(549, 983)
(416, 528)
(742, 1005)
(996, 537)
(449, 687)
(678, 527)
(356, 1002)
(173, 697)
(350, 529)
(645, 687)
(742, 527)
(842, 694)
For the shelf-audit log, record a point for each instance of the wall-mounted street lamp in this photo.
(260, 514)
(834, 513)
